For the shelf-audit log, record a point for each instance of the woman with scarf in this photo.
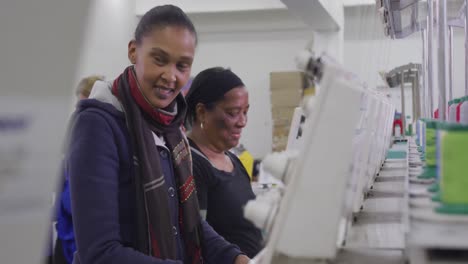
(132, 190)
(218, 103)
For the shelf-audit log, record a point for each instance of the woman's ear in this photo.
(200, 110)
(132, 45)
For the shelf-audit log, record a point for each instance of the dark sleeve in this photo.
(94, 169)
(216, 249)
(203, 179)
(65, 197)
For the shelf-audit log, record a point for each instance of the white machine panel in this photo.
(325, 172)
(310, 212)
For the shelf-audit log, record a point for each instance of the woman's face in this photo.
(163, 61)
(223, 125)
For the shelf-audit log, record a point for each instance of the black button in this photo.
(163, 153)
(174, 229)
(171, 192)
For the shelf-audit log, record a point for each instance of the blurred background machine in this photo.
(40, 50)
(353, 192)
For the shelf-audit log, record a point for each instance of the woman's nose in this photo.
(169, 74)
(243, 120)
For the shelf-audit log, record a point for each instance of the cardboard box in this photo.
(286, 94)
(289, 80)
(282, 122)
(282, 113)
(286, 98)
(280, 130)
(279, 143)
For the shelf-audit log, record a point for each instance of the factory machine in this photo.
(327, 171)
(352, 192)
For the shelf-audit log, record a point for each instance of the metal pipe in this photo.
(442, 59)
(414, 98)
(403, 113)
(466, 47)
(450, 63)
(417, 97)
(430, 53)
(424, 75)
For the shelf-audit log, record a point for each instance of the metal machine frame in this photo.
(322, 187)
(442, 25)
(425, 233)
(409, 73)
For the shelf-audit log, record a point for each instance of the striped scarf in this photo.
(155, 235)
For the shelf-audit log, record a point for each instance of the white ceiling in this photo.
(358, 2)
(208, 6)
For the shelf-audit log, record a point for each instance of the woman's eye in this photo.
(182, 66)
(158, 60)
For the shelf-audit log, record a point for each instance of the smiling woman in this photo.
(132, 190)
(217, 112)
(161, 67)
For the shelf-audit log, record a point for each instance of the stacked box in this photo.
(286, 90)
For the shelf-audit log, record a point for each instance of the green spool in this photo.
(434, 188)
(430, 172)
(395, 154)
(409, 132)
(454, 166)
(453, 209)
(430, 154)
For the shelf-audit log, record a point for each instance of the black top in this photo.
(223, 195)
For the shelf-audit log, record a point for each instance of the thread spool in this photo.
(453, 168)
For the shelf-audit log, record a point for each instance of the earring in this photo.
(201, 125)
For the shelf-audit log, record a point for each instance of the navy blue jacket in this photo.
(103, 198)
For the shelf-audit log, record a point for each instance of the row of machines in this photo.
(325, 173)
